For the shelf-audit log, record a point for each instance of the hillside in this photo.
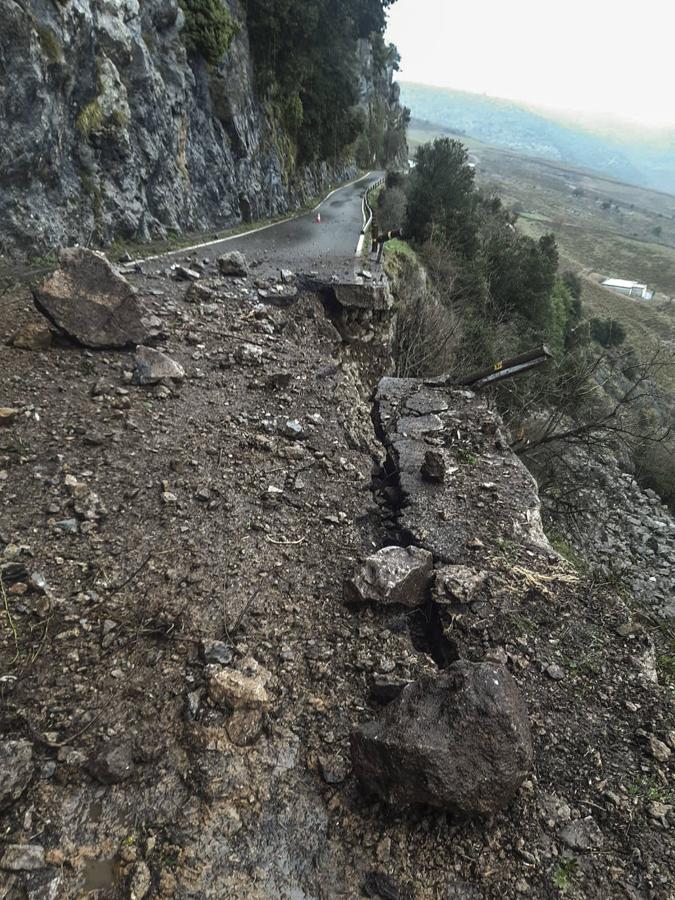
(630, 156)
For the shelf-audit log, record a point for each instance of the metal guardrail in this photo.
(366, 207)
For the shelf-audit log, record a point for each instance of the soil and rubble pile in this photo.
(191, 645)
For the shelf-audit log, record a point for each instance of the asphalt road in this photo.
(299, 244)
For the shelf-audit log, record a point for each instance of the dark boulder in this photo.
(89, 301)
(459, 742)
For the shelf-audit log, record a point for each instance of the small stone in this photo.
(278, 380)
(237, 689)
(287, 276)
(182, 273)
(293, 429)
(141, 881)
(169, 498)
(334, 770)
(658, 749)
(16, 769)
(244, 727)
(23, 857)
(216, 652)
(113, 764)
(659, 811)
(198, 293)
(555, 672)
(233, 265)
(152, 366)
(457, 584)
(249, 355)
(393, 575)
(582, 834)
(433, 467)
(34, 336)
(475, 544)
(8, 415)
(203, 494)
(69, 526)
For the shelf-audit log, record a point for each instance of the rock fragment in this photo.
(237, 689)
(660, 751)
(393, 575)
(459, 742)
(88, 300)
(244, 727)
(216, 652)
(8, 415)
(233, 265)
(16, 768)
(34, 336)
(113, 764)
(23, 857)
(582, 834)
(457, 584)
(433, 467)
(152, 366)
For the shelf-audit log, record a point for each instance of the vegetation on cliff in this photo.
(305, 58)
(493, 291)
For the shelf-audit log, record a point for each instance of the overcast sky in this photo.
(596, 56)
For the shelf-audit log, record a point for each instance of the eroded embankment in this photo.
(230, 508)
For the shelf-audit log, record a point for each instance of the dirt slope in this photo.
(214, 519)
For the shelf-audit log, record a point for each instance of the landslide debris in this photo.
(152, 537)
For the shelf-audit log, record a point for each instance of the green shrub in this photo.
(90, 118)
(209, 28)
(608, 332)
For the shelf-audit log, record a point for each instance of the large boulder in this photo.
(460, 741)
(16, 769)
(88, 300)
(392, 576)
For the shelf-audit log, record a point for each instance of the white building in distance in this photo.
(629, 288)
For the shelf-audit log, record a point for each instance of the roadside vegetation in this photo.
(491, 291)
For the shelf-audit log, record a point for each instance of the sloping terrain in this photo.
(141, 524)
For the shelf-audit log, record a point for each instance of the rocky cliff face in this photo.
(110, 130)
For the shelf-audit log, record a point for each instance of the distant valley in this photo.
(635, 156)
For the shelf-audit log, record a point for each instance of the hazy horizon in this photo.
(596, 61)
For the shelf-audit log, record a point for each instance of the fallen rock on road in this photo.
(460, 742)
(89, 301)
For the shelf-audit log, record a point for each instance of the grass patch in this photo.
(50, 44)
(90, 118)
(567, 551)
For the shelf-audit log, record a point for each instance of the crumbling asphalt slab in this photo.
(231, 505)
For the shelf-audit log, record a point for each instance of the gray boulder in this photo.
(459, 742)
(16, 768)
(88, 300)
(152, 366)
(233, 265)
(393, 575)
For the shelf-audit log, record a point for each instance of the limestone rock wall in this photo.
(109, 129)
